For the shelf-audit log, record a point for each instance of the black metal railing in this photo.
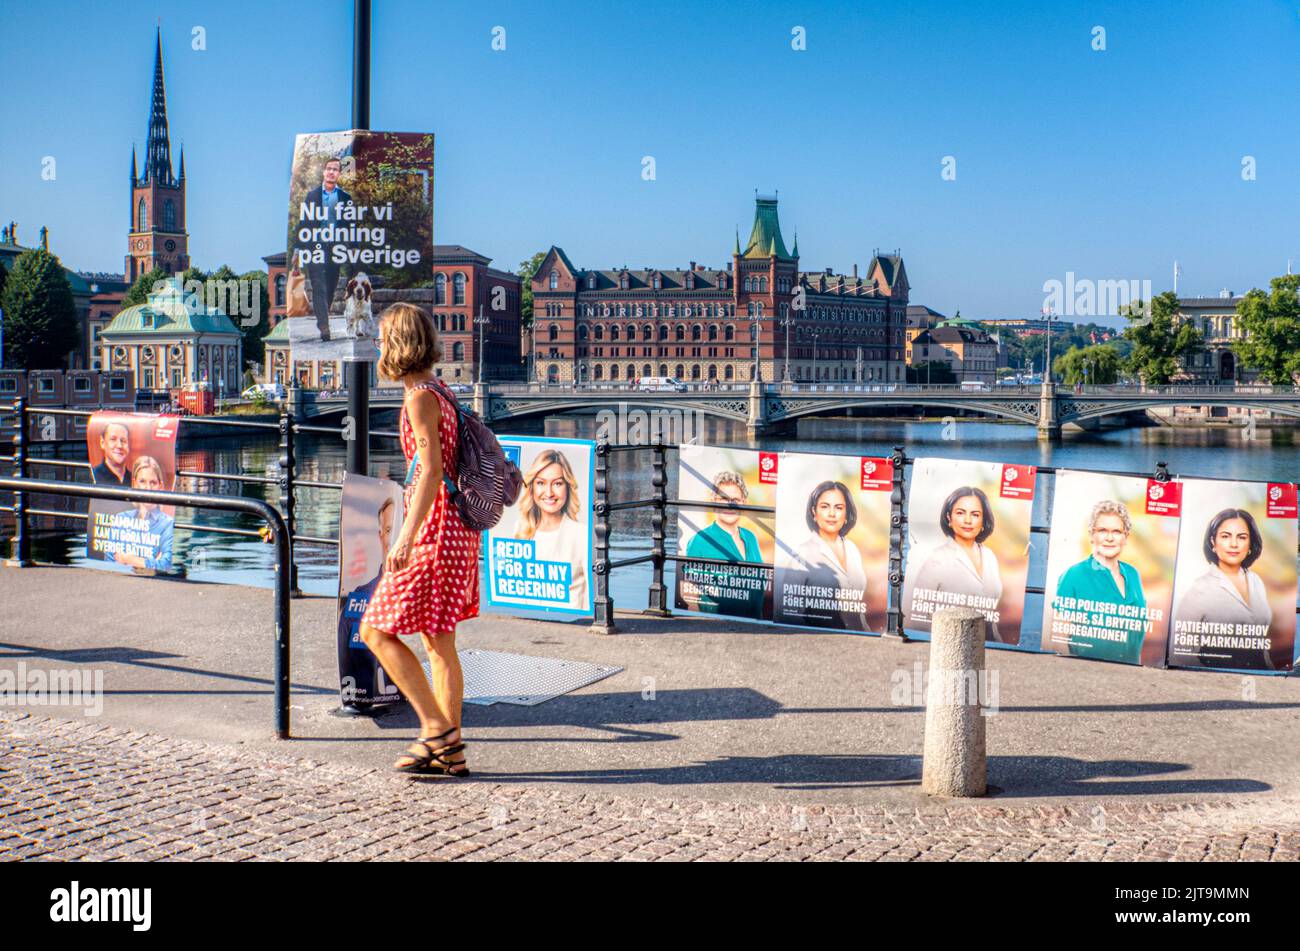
(287, 480)
(256, 507)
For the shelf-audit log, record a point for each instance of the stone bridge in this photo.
(763, 406)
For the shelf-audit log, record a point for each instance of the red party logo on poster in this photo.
(877, 474)
(1018, 482)
(165, 427)
(1282, 500)
(767, 468)
(1164, 498)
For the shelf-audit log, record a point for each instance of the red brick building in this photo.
(702, 324)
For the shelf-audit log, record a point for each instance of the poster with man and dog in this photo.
(360, 221)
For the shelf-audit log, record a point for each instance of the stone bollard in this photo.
(955, 763)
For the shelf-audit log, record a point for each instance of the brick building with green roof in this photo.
(702, 324)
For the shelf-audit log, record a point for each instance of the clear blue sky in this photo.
(1109, 164)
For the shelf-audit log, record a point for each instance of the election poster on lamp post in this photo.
(1235, 581)
(1110, 567)
(968, 543)
(539, 555)
(360, 218)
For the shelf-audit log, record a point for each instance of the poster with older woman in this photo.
(137, 451)
(1110, 567)
(968, 543)
(1235, 581)
(832, 548)
(743, 541)
(539, 554)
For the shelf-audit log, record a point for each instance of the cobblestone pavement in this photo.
(76, 790)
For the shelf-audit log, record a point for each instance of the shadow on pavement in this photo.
(1014, 775)
(135, 657)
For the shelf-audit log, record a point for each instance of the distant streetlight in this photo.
(482, 320)
(754, 331)
(786, 321)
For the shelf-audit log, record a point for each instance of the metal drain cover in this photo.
(496, 677)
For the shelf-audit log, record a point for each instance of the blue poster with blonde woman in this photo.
(539, 555)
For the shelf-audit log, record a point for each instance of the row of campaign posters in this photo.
(1193, 573)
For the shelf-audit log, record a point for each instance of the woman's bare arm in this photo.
(425, 415)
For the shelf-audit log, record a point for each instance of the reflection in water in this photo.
(1212, 453)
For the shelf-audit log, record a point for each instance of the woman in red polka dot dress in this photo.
(430, 579)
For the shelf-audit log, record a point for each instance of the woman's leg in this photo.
(448, 678)
(448, 685)
(404, 669)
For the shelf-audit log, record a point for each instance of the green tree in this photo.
(935, 371)
(40, 315)
(139, 292)
(254, 333)
(1097, 363)
(1160, 341)
(526, 271)
(1270, 327)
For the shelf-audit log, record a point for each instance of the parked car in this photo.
(658, 384)
(270, 391)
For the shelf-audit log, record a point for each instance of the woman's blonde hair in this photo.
(529, 517)
(408, 341)
(146, 462)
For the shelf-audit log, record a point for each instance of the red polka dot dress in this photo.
(439, 585)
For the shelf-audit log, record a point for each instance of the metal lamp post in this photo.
(754, 338)
(356, 374)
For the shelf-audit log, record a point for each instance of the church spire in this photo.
(134, 165)
(158, 159)
(182, 162)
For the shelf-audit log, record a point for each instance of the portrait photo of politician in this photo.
(963, 564)
(115, 443)
(148, 517)
(827, 557)
(725, 539)
(354, 606)
(1228, 592)
(324, 201)
(549, 505)
(1103, 577)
